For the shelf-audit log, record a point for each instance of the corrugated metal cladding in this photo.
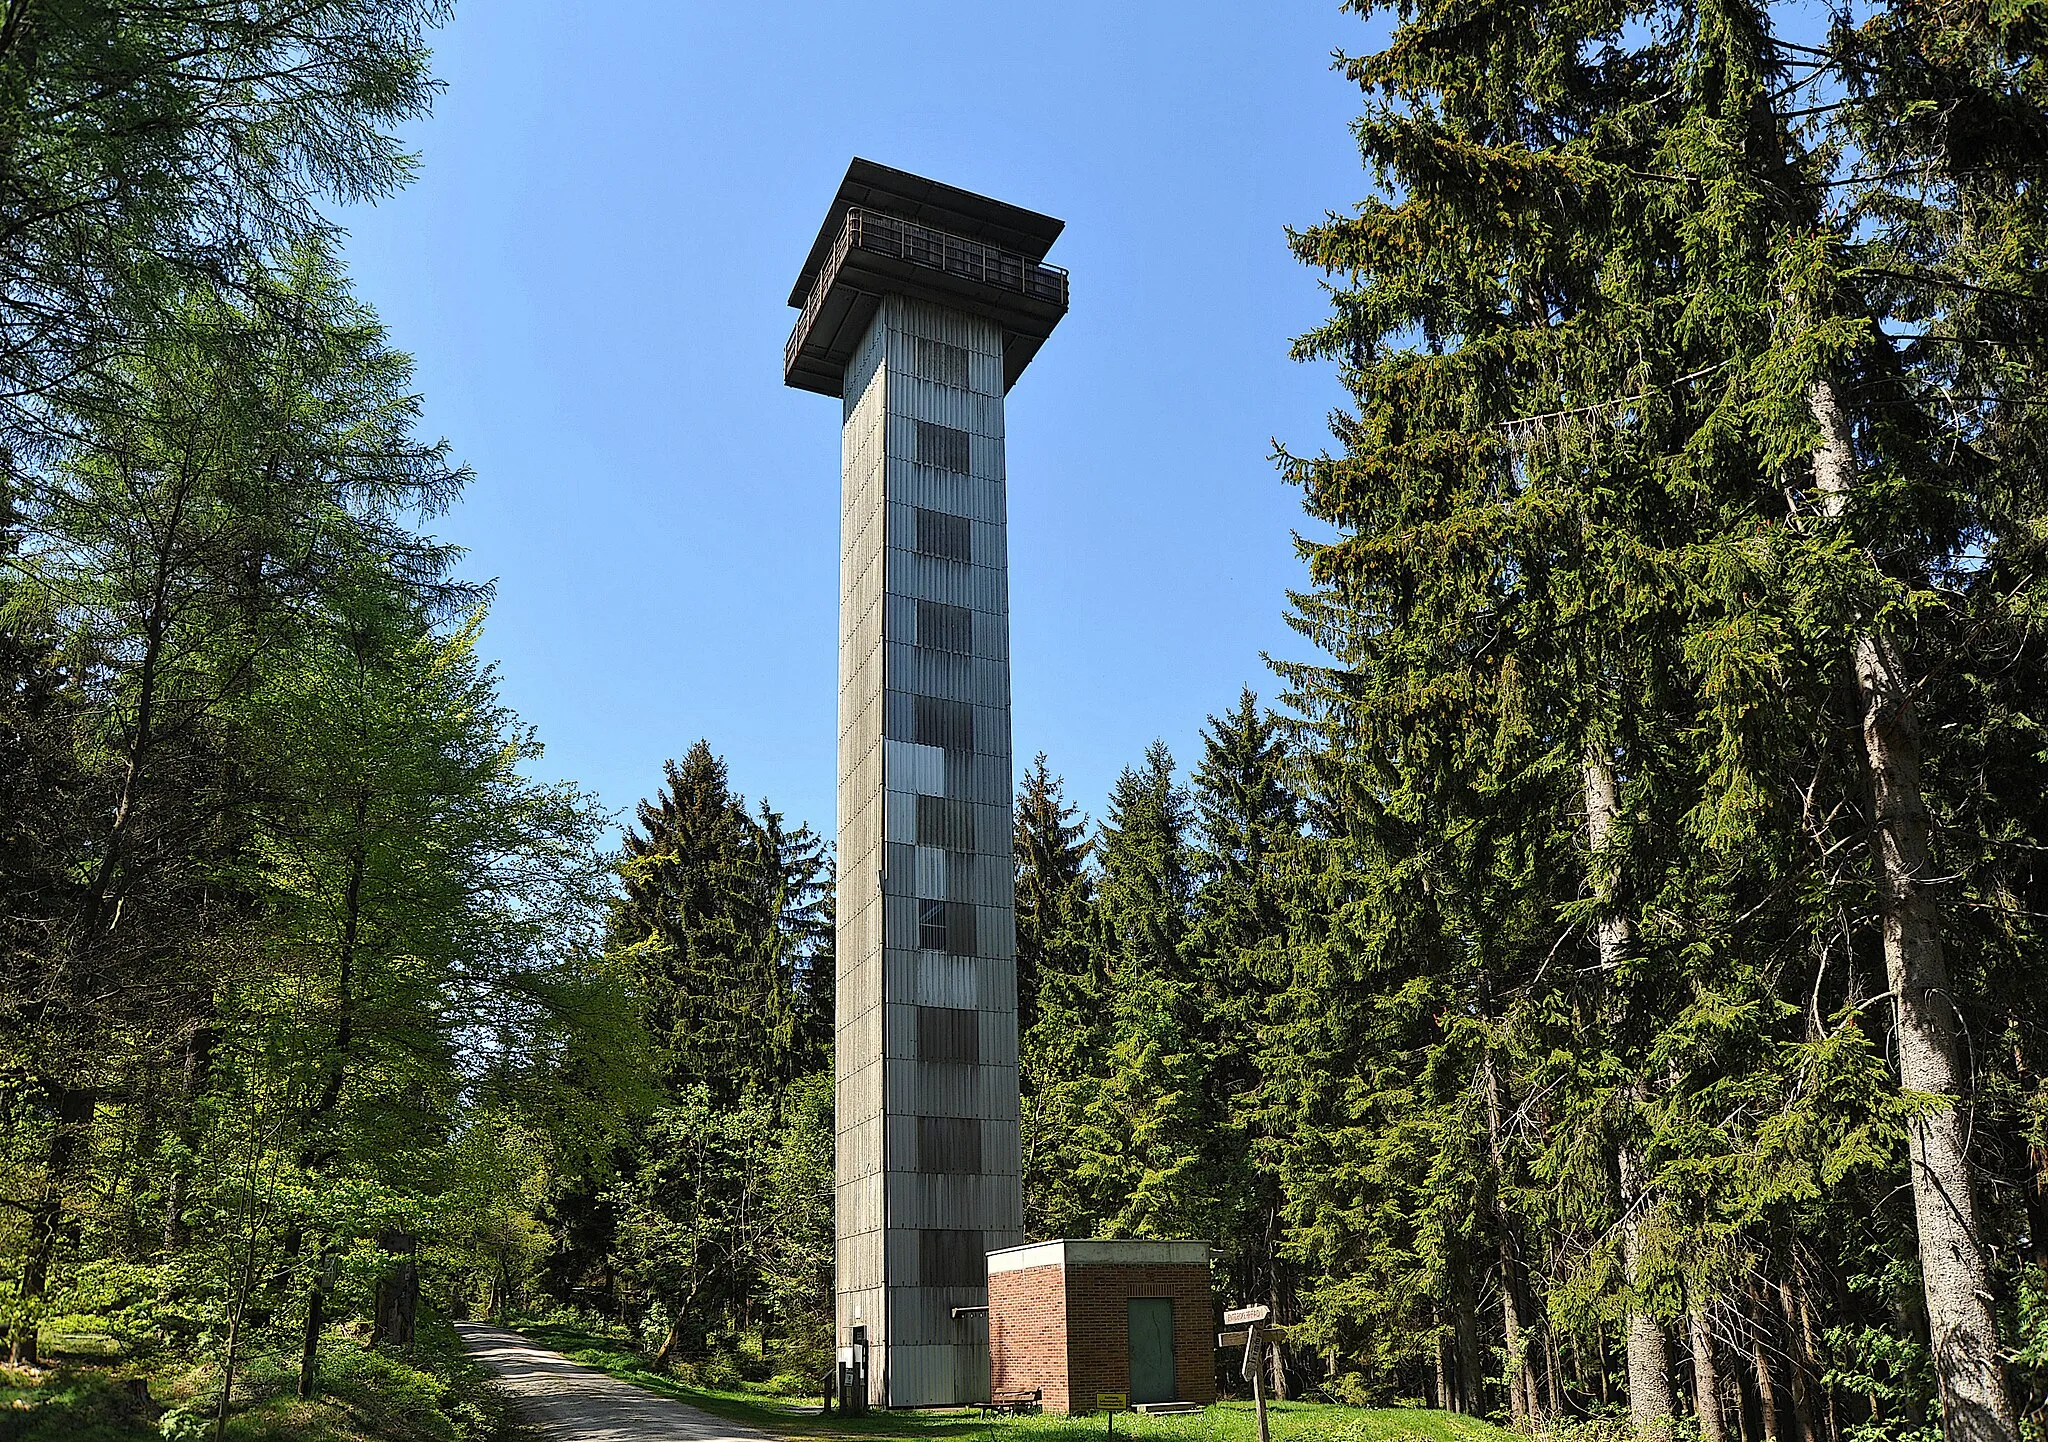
(950, 538)
(928, 1159)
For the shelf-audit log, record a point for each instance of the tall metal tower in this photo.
(921, 305)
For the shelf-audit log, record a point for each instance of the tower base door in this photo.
(1151, 1337)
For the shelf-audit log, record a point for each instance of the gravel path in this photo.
(572, 1403)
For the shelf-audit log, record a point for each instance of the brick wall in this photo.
(1027, 1333)
(1098, 1326)
(1066, 1330)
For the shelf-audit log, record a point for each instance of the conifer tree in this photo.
(1063, 991)
(1053, 893)
(727, 920)
(154, 145)
(1147, 882)
(1639, 340)
(1157, 1137)
(1247, 848)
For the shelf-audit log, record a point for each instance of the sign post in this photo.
(1253, 1320)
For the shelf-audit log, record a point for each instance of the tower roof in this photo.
(889, 232)
(931, 203)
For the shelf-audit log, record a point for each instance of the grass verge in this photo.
(1225, 1422)
(435, 1394)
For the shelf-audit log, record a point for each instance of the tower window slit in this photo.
(945, 823)
(946, 364)
(932, 932)
(941, 627)
(948, 1034)
(938, 722)
(949, 1258)
(950, 538)
(949, 1144)
(944, 447)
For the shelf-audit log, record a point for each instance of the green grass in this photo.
(438, 1394)
(1225, 1422)
(68, 1404)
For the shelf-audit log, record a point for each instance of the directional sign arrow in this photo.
(1232, 1339)
(1246, 1316)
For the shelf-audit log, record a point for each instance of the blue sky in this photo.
(592, 272)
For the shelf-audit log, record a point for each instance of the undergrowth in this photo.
(434, 1393)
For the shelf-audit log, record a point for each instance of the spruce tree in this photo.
(697, 914)
(1656, 332)
(1247, 841)
(1063, 1004)
(1053, 893)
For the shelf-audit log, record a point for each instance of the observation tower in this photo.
(921, 304)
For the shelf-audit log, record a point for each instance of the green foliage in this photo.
(701, 1219)
(726, 919)
(278, 895)
(1589, 1007)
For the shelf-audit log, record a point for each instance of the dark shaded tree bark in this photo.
(1706, 1378)
(46, 1215)
(395, 1310)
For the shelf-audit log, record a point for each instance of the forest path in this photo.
(569, 1402)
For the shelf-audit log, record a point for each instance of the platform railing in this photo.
(882, 234)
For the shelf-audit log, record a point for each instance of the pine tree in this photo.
(1063, 993)
(698, 911)
(1248, 835)
(1053, 893)
(1638, 342)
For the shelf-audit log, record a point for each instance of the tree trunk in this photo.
(1520, 1385)
(1650, 1403)
(198, 1052)
(1276, 1350)
(671, 1343)
(1801, 1369)
(397, 1301)
(1706, 1378)
(1760, 1361)
(1816, 1365)
(1553, 1374)
(238, 1308)
(1471, 1370)
(46, 1218)
(1649, 1349)
(1953, 1272)
(1516, 1368)
(2035, 1193)
(316, 1322)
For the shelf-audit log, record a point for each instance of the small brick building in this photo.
(1074, 1318)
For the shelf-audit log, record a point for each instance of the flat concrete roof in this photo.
(928, 202)
(1100, 1252)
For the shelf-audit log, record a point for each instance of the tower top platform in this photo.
(889, 232)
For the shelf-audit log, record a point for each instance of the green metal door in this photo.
(1152, 1349)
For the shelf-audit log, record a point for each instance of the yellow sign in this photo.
(1112, 1402)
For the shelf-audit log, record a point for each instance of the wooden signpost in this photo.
(1253, 1320)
